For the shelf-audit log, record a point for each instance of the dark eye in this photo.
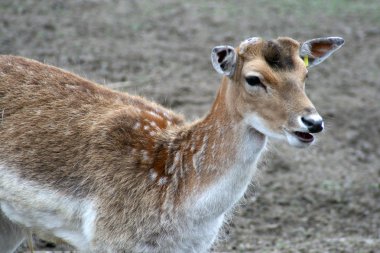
(254, 81)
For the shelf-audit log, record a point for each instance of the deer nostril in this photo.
(307, 122)
(313, 124)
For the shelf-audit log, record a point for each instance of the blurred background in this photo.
(322, 199)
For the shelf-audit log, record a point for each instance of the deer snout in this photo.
(313, 122)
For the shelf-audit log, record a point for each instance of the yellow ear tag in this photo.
(306, 60)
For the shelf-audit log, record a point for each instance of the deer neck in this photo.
(223, 152)
(227, 137)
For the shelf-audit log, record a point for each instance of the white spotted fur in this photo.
(221, 150)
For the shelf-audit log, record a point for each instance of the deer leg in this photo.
(11, 235)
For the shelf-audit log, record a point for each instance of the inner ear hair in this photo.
(319, 49)
(223, 59)
(221, 56)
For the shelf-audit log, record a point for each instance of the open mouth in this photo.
(304, 137)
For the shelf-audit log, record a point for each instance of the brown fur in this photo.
(138, 159)
(38, 98)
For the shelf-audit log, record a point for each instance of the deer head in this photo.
(266, 80)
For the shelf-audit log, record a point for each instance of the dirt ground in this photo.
(322, 199)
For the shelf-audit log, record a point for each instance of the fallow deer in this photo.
(109, 172)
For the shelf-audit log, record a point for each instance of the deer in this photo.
(106, 171)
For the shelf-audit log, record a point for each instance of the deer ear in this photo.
(223, 60)
(317, 50)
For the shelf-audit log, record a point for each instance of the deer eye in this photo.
(254, 81)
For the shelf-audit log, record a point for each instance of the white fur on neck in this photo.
(209, 207)
(227, 190)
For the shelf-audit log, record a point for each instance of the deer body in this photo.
(109, 172)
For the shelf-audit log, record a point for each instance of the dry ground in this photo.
(323, 199)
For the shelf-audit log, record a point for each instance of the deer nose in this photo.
(313, 122)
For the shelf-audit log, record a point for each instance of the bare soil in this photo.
(322, 199)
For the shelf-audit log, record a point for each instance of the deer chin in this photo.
(256, 122)
(299, 139)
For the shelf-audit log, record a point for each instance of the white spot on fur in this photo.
(152, 174)
(154, 114)
(137, 126)
(199, 157)
(192, 149)
(176, 158)
(133, 151)
(145, 155)
(153, 124)
(162, 181)
(213, 151)
(175, 163)
(167, 116)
